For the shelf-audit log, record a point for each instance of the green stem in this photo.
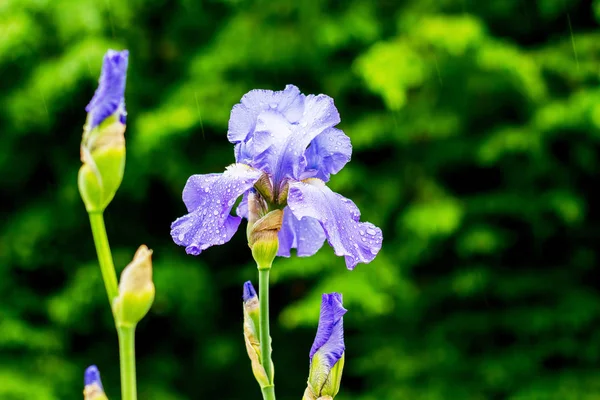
(265, 336)
(268, 392)
(104, 255)
(127, 355)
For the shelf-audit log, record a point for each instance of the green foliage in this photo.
(476, 133)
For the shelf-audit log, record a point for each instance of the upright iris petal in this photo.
(110, 95)
(209, 199)
(339, 216)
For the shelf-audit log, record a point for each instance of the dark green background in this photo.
(475, 127)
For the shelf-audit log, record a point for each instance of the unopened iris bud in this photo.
(103, 142)
(93, 389)
(251, 335)
(327, 352)
(136, 289)
(263, 230)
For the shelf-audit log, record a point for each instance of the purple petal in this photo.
(92, 376)
(279, 146)
(288, 102)
(329, 341)
(242, 208)
(327, 154)
(356, 241)
(249, 292)
(306, 235)
(110, 95)
(209, 199)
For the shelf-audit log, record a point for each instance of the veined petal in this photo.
(329, 341)
(279, 147)
(288, 102)
(327, 154)
(209, 199)
(110, 95)
(339, 216)
(306, 235)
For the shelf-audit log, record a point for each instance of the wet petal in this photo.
(306, 235)
(110, 95)
(356, 241)
(327, 154)
(209, 199)
(279, 146)
(288, 102)
(329, 341)
(242, 208)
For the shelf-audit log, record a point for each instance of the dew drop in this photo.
(371, 231)
(181, 237)
(217, 213)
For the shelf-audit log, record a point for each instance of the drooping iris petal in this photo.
(279, 146)
(327, 154)
(306, 235)
(288, 102)
(329, 341)
(356, 241)
(110, 95)
(209, 199)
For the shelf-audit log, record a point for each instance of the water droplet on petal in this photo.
(371, 231)
(217, 213)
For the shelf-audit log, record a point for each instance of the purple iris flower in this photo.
(329, 342)
(291, 139)
(110, 95)
(92, 377)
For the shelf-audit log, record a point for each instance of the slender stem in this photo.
(104, 255)
(127, 356)
(268, 392)
(265, 336)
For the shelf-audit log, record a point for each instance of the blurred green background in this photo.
(475, 127)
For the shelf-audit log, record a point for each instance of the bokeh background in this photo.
(475, 127)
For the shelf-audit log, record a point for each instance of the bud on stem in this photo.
(136, 289)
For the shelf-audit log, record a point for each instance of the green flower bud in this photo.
(103, 158)
(263, 230)
(136, 289)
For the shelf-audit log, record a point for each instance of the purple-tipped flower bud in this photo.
(103, 142)
(93, 389)
(249, 292)
(251, 335)
(327, 352)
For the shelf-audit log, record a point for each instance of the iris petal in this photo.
(327, 154)
(110, 95)
(329, 341)
(306, 235)
(339, 216)
(209, 199)
(279, 147)
(288, 102)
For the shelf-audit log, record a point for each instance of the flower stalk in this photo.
(107, 268)
(127, 361)
(265, 335)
